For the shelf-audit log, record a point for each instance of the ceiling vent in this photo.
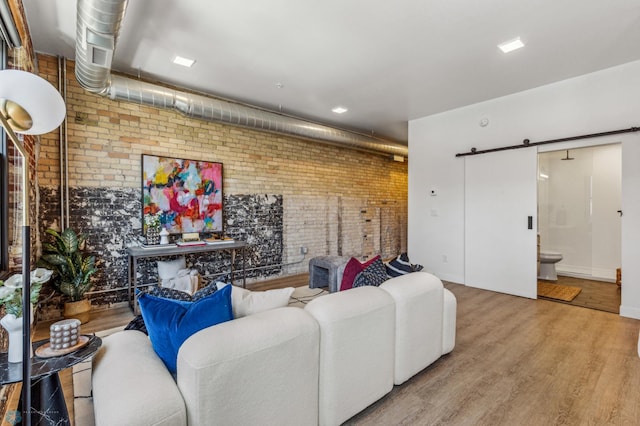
(100, 49)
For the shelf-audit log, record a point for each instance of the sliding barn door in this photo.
(500, 222)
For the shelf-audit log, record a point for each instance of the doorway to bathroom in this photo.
(579, 225)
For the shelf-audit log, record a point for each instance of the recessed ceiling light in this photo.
(511, 45)
(339, 110)
(185, 62)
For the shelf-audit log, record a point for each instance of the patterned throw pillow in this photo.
(374, 274)
(168, 293)
(352, 269)
(401, 266)
(137, 324)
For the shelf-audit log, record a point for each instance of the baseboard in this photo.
(630, 312)
(587, 274)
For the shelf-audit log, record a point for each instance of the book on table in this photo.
(219, 240)
(191, 243)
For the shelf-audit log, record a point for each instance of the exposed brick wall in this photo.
(330, 199)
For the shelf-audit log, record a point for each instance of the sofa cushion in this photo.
(131, 385)
(374, 274)
(246, 302)
(419, 317)
(171, 322)
(258, 370)
(357, 330)
(352, 269)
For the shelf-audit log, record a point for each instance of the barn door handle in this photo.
(530, 222)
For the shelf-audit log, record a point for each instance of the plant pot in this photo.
(79, 310)
(13, 325)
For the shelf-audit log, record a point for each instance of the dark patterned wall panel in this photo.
(110, 217)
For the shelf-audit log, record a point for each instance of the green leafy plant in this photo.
(73, 269)
(11, 291)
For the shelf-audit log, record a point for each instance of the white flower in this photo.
(14, 282)
(40, 275)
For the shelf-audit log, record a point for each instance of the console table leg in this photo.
(233, 261)
(244, 268)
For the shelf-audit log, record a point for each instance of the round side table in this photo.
(48, 406)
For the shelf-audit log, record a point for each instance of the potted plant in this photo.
(73, 270)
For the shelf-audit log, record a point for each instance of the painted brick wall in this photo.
(331, 200)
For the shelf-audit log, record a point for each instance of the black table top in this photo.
(12, 372)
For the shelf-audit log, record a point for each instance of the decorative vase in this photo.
(78, 310)
(164, 236)
(153, 236)
(13, 325)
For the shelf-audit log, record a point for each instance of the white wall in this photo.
(597, 102)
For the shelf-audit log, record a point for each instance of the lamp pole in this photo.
(26, 276)
(31, 105)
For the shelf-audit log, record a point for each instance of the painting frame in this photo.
(183, 195)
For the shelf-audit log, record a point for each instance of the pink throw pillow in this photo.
(353, 268)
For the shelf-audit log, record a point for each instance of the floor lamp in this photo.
(30, 105)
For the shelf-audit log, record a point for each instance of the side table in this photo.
(323, 272)
(47, 400)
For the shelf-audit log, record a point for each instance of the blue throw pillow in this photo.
(171, 322)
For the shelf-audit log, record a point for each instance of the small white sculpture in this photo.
(164, 236)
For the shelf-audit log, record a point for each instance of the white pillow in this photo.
(246, 302)
(170, 268)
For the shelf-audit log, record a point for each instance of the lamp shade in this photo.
(34, 95)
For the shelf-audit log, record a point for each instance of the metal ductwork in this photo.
(98, 25)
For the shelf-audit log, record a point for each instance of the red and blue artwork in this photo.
(186, 195)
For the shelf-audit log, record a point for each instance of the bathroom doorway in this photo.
(579, 224)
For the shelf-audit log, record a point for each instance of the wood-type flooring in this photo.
(599, 295)
(517, 361)
(520, 361)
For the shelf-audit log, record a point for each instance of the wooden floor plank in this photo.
(516, 361)
(600, 295)
(520, 361)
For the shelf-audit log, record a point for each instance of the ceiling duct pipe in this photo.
(98, 25)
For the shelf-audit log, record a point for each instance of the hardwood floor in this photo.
(519, 361)
(599, 295)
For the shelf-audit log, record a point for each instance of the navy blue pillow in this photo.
(401, 266)
(171, 322)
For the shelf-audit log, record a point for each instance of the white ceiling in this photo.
(387, 61)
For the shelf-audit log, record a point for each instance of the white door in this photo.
(500, 222)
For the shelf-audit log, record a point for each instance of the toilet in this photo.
(548, 260)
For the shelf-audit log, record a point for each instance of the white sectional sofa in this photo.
(287, 366)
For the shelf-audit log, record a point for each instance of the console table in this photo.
(136, 253)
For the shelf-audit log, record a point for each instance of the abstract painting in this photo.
(185, 195)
